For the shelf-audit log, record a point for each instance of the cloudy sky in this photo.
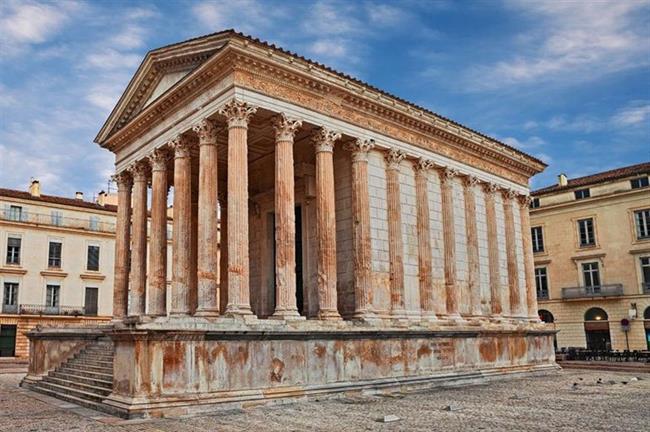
(565, 81)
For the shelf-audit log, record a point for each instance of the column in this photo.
(361, 234)
(238, 115)
(285, 218)
(493, 249)
(422, 167)
(395, 240)
(122, 244)
(529, 263)
(158, 238)
(138, 281)
(326, 223)
(223, 252)
(508, 197)
(449, 237)
(473, 296)
(208, 222)
(180, 296)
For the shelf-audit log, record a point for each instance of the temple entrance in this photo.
(7, 340)
(299, 267)
(597, 330)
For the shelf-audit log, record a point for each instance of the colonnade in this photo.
(198, 290)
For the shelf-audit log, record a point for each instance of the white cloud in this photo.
(113, 59)
(248, 16)
(131, 36)
(383, 14)
(329, 48)
(531, 143)
(637, 114)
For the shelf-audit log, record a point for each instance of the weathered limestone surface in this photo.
(451, 289)
(422, 167)
(138, 266)
(122, 245)
(473, 283)
(513, 272)
(395, 244)
(493, 251)
(157, 279)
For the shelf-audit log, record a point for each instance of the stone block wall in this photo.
(484, 266)
(344, 252)
(461, 245)
(437, 241)
(409, 238)
(379, 231)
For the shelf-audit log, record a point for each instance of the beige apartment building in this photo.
(591, 244)
(57, 263)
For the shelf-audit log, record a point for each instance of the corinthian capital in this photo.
(159, 158)
(394, 157)
(490, 188)
(423, 165)
(324, 140)
(285, 127)
(447, 175)
(524, 201)
(508, 194)
(181, 146)
(238, 113)
(207, 132)
(470, 181)
(139, 170)
(123, 179)
(360, 149)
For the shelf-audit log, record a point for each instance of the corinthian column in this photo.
(181, 242)
(238, 114)
(529, 264)
(326, 223)
(285, 219)
(473, 294)
(490, 190)
(422, 168)
(223, 252)
(139, 171)
(158, 243)
(208, 229)
(395, 241)
(122, 242)
(511, 244)
(361, 234)
(449, 237)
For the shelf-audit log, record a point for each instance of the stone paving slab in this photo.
(569, 400)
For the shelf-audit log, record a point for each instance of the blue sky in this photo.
(565, 81)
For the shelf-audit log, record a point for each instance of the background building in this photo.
(591, 243)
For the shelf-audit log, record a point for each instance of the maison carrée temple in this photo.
(327, 237)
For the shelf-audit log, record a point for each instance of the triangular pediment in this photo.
(160, 70)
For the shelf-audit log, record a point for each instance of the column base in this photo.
(454, 319)
(365, 316)
(328, 315)
(287, 314)
(207, 313)
(233, 310)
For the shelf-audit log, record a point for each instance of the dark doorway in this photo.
(90, 305)
(598, 340)
(597, 329)
(7, 340)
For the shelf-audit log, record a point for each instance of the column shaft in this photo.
(208, 223)
(158, 239)
(511, 244)
(326, 224)
(223, 257)
(422, 168)
(473, 294)
(529, 263)
(122, 245)
(139, 241)
(493, 249)
(395, 239)
(449, 238)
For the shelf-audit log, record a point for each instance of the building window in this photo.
(15, 213)
(534, 203)
(541, 282)
(538, 239)
(586, 231)
(10, 302)
(93, 223)
(591, 276)
(54, 255)
(640, 182)
(52, 296)
(645, 274)
(582, 193)
(57, 218)
(13, 250)
(642, 221)
(92, 263)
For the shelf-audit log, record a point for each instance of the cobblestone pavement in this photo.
(543, 403)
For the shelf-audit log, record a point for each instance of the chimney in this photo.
(79, 195)
(35, 188)
(562, 180)
(101, 198)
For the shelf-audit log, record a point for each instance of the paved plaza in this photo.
(550, 402)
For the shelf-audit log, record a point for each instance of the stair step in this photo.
(102, 391)
(82, 379)
(90, 362)
(95, 356)
(90, 368)
(68, 397)
(82, 394)
(86, 373)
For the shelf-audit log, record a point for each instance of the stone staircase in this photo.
(85, 379)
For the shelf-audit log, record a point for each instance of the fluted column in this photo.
(208, 229)
(529, 263)
(285, 219)
(490, 190)
(238, 115)
(223, 252)
(395, 240)
(326, 223)
(449, 236)
(422, 167)
(138, 281)
(361, 234)
(158, 238)
(473, 294)
(181, 242)
(122, 244)
(508, 197)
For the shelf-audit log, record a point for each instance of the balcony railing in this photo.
(31, 309)
(59, 221)
(610, 290)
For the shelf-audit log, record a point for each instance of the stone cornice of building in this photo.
(48, 227)
(110, 211)
(13, 270)
(92, 276)
(639, 251)
(594, 299)
(54, 273)
(599, 256)
(586, 201)
(240, 53)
